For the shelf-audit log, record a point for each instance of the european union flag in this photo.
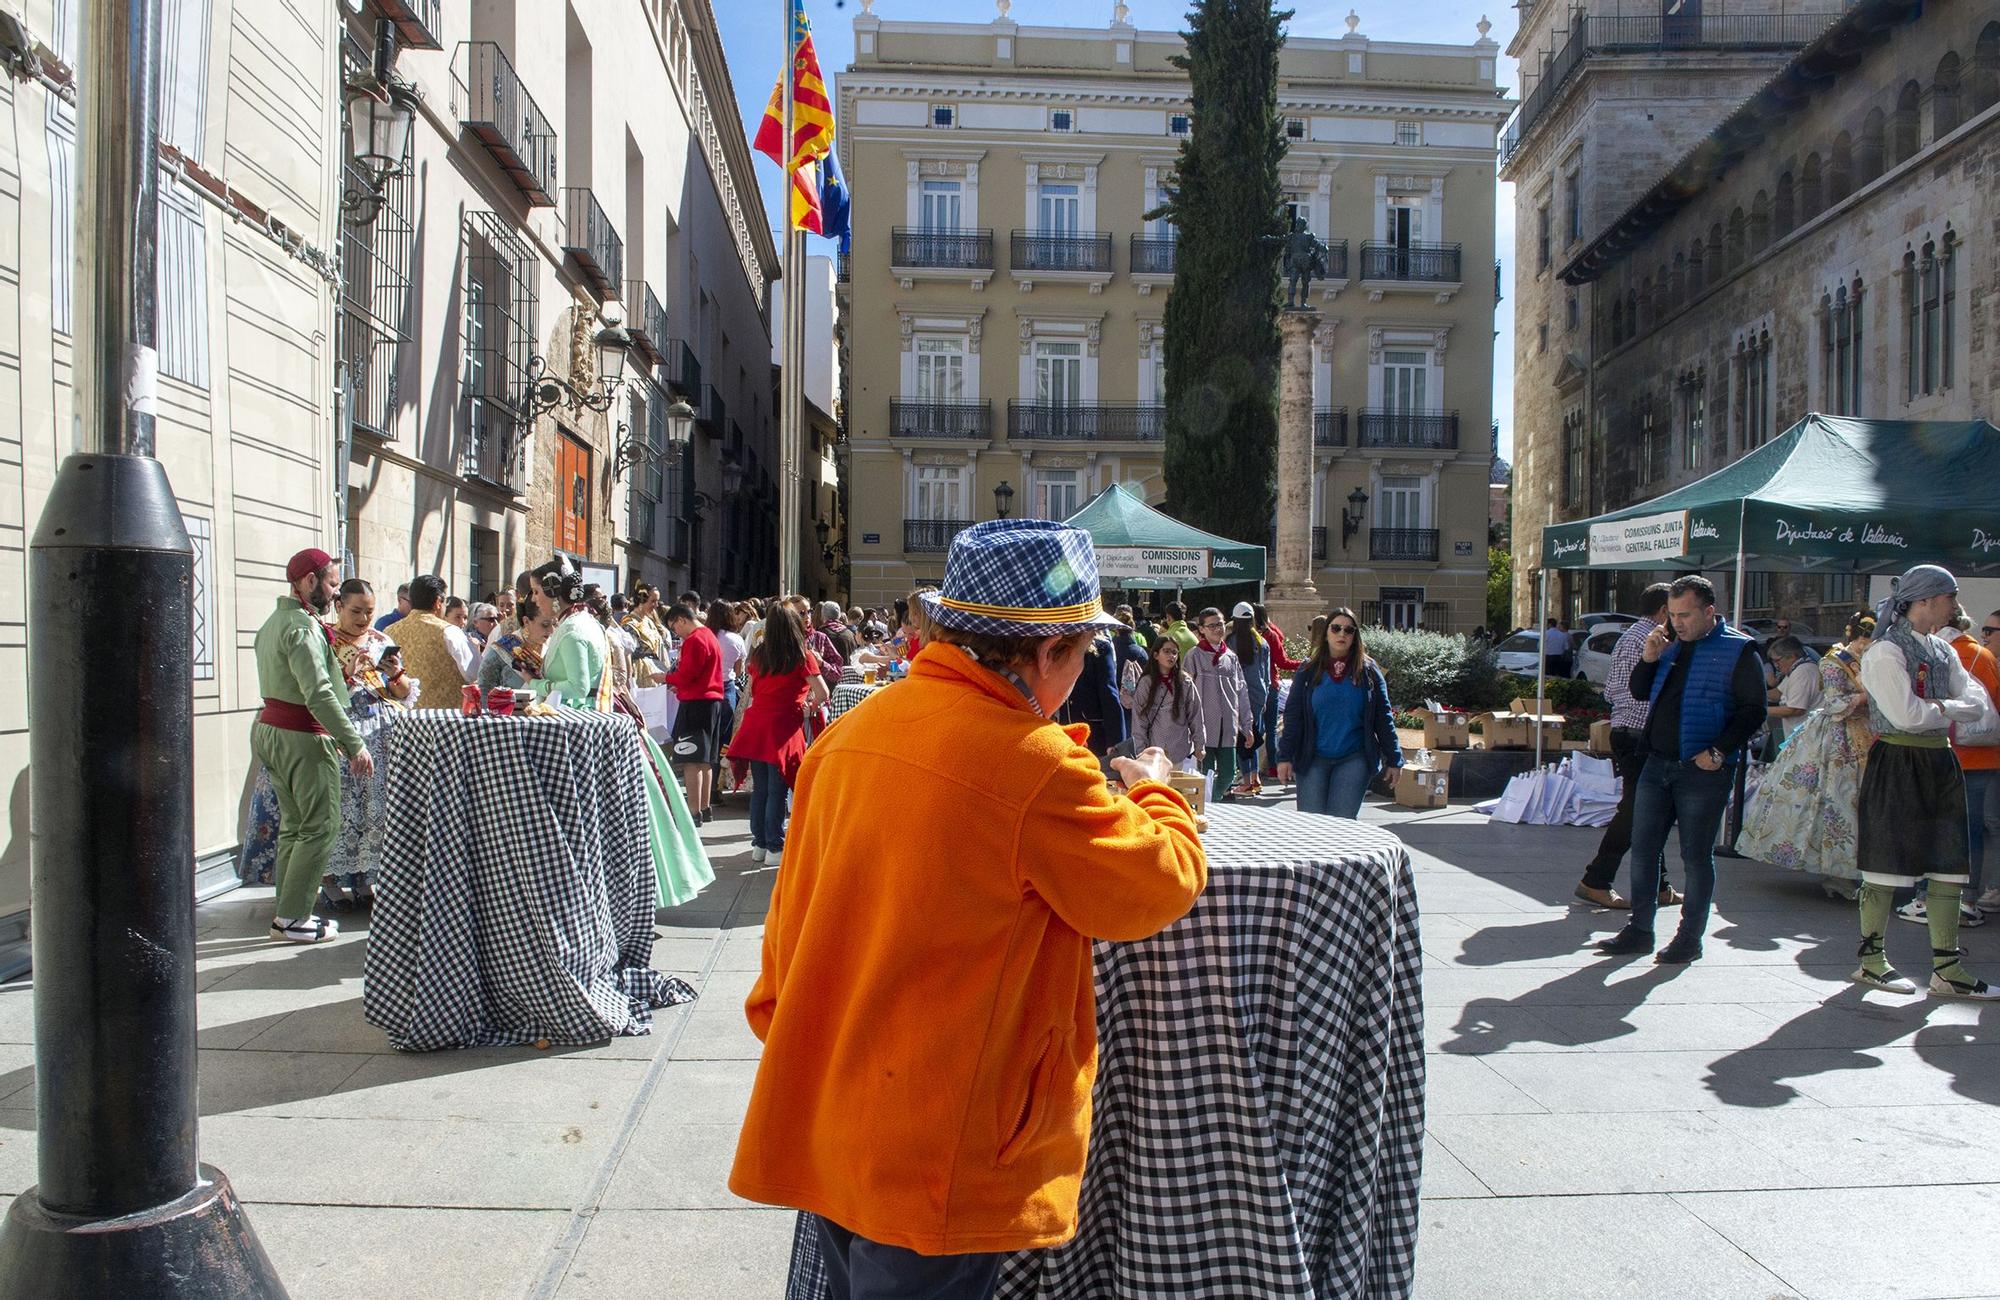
(835, 204)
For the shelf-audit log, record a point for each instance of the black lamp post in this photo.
(379, 116)
(1003, 500)
(1350, 518)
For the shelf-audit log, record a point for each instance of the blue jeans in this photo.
(1271, 729)
(860, 1269)
(1982, 806)
(767, 806)
(1670, 793)
(1334, 786)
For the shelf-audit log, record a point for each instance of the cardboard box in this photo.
(1600, 738)
(1423, 787)
(1444, 729)
(1440, 759)
(1515, 727)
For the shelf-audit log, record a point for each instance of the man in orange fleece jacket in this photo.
(928, 1019)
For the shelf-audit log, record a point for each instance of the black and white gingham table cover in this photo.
(516, 895)
(1257, 1123)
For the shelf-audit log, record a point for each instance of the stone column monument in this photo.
(1290, 595)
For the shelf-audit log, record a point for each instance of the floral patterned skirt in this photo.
(363, 818)
(1803, 813)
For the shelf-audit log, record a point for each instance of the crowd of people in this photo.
(1883, 780)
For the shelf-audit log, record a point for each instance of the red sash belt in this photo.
(287, 716)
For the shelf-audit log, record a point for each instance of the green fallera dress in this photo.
(575, 673)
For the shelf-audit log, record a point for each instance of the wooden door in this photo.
(573, 496)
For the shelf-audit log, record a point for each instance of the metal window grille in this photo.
(500, 333)
(375, 261)
(201, 534)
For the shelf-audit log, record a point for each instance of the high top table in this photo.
(516, 895)
(1257, 1122)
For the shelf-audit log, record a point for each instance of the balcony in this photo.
(1336, 260)
(646, 319)
(1430, 615)
(590, 240)
(1426, 264)
(712, 411)
(1085, 422)
(1655, 34)
(493, 443)
(1078, 257)
(494, 106)
(683, 370)
(931, 536)
(417, 21)
(1416, 545)
(1422, 430)
(1330, 426)
(940, 250)
(1319, 542)
(1153, 254)
(920, 419)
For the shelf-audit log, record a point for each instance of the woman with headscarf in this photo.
(1802, 814)
(576, 672)
(1911, 825)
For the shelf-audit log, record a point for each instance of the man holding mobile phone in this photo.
(1706, 689)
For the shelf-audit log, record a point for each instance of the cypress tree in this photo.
(1220, 457)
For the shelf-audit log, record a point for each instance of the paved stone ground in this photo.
(1750, 1126)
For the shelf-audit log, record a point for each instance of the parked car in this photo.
(1593, 659)
(1591, 622)
(1519, 652)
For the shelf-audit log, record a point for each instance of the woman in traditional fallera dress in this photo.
(377, 688)
(1803, 813)
(575, 672)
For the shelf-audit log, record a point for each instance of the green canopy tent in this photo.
(1140, 548)
(1829, 495)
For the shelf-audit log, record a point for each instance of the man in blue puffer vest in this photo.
(1707, 691)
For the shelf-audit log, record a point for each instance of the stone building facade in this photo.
(1610, 99)
(569, 163)
(1829, 248)
(1005, 295)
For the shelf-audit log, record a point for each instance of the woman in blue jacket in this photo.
(1339, 731)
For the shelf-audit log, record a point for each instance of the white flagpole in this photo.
(788, 367)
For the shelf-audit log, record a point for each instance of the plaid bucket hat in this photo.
(1020, 577)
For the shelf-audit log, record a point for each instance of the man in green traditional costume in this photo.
(300, 736)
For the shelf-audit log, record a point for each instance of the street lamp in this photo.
(1350, 518)
(1003, 500)
(613, 344)
(380, 112)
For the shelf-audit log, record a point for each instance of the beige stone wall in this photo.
(1345, 159)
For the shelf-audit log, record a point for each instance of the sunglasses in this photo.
(1990, 630)
(1342, 629)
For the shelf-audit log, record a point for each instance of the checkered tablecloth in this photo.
(1257, 1124)
(516, 896)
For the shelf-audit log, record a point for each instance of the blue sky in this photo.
(752, 35)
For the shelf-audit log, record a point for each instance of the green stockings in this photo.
(1942, 909)
(1875, 901)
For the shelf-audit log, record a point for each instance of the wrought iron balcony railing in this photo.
(922, 419)
(493, 443)
(931, 535)
(712, 411)
(1319, 541)
(1430, 430)
(1036, 251)
(646, 319)
(418, 22)
(1330, 426)
(1153, 254)
(683, 370)
(589, 238)
(1085, 422)
(952, 250)
(498, 109)
(1429, 262)
(1420, 544)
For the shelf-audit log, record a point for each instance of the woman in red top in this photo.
(784, 682)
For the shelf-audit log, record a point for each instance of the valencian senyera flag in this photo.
(819, 194)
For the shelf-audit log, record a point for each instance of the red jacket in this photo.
(699, 675)
(1280, 663)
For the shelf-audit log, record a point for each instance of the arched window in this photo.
(1907, 133)
(1677, 282)
(1869, 161)
(1811, 195)
(1983, 86)
(1840, 348)
(1944, 97)
(1760, 223)
(1717, 268)
(1695, 280)
(1663, 301)
(1632, 313)
(1646, 315)
(1782, 211)
(1840, 169)
(1736, 235)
